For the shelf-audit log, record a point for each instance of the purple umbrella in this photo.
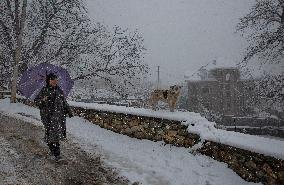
(33, 80)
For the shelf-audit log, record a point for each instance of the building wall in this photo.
(202, 95)
(222, 92)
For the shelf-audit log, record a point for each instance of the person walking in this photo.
(53, 111)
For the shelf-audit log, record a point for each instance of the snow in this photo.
(153, 162)
(130, 110)
(7, 166)
(201, 126)
(87, 92)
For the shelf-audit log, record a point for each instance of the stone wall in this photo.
(250, 166)
(141, 127)
(251, 121)
(267, 131)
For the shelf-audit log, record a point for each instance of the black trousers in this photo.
(54, 148)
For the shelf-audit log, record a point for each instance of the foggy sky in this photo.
(180, 35)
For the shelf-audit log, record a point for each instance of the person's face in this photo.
(53, 83)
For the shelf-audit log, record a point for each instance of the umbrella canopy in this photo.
(34, 79)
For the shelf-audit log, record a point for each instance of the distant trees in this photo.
(60, 32)
(263, 27)
(271, 92)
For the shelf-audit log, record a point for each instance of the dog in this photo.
(169, 96)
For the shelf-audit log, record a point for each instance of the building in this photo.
(220, 90)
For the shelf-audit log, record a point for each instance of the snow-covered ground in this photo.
(202, 127)
(142, 160)
(7, 165)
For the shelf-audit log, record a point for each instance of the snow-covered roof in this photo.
(218, 63)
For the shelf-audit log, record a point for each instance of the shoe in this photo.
(58, 158)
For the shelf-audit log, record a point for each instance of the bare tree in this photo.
(60, 32)
(118, 59)
(17, 24)
(271, 92)
(5, 69)
(49, 24)
(263, 27)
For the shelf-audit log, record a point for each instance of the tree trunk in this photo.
(19, 34)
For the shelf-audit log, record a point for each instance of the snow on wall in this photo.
(201, 126)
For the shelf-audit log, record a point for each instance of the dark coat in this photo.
(53, 113)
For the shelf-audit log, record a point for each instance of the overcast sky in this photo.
(180, 35)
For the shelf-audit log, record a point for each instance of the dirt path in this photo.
(25, 159)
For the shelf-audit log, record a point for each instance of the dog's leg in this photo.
(151, 104)
(172, 106)
(154, 105)
(148, 104)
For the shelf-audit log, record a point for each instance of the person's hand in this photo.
(70, 114)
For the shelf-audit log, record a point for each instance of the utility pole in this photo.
(158, 85)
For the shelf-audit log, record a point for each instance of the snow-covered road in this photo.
(25, 160)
